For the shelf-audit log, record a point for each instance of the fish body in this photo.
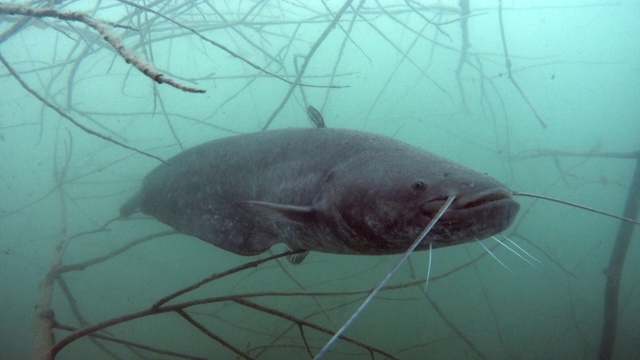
(328, 190)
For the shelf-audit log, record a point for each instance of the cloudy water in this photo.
(540, 95)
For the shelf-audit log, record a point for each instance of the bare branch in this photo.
(68, 117)
(128, 56)
(509, 73)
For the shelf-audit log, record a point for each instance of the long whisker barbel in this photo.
(426, 282)
(512, 250)
(384, 281)
(492, 254)
(544, 197)
(521, 249)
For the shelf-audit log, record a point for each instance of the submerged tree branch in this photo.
(232, 313)
(68, 117)
(613, 272)
(307, 59)
(224, 48)
(131, 344)
(115, 42)
(465, 10)
(510, 74)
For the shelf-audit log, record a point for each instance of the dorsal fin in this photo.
(316, 117)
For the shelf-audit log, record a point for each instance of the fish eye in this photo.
(419, 185)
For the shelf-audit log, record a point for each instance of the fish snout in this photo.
(482, 198)
(466, 201)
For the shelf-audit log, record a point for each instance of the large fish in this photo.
(328, 190)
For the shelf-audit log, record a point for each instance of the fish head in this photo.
(386, 202)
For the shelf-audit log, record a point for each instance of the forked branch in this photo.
(115, 42)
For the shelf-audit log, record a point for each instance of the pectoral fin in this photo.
(282, 212)
(296, 259)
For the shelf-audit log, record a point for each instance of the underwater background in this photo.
(541, 95)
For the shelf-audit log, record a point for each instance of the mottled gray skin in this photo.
(328, 190)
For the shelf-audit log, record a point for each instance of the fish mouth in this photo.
(470, 202)
(482, 199)
(472, 216)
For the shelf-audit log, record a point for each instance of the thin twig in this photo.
(437, 26)
(222, 47)
(69, 118)
(131, 344)
(73, 304)
(340, 55)
(453, 327)
(211, 335)
(595, 154)
(508, 65)
(464, 34)
(128, 56)
(302, 322)
(307, 59)
(84, 264)
(217, 276)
